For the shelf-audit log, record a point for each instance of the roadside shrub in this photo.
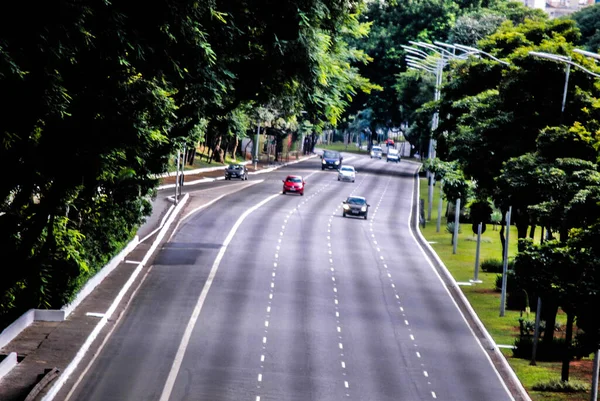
(496, 218)
(491, 266)
(548, 352)
(495, 266)
(559, 386)
(450, 228)
(516, 297)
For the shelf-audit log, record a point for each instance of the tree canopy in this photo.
(101, 94)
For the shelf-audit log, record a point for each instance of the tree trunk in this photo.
(235, 146)
(549, 316)
(522, 230)
(564, 373)
(532, 231)
(191, 154)
(218, 152)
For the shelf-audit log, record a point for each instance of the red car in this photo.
(294, 184)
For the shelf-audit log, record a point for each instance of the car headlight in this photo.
(346, 207)
(324, 162)
(363, 209)
(337, 162)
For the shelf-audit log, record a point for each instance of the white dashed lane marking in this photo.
(267, 322)
(377, 247)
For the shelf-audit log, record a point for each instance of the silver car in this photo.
(347, 173)
(393, 155)
(376, 152)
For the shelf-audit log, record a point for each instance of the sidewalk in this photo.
(46, 345)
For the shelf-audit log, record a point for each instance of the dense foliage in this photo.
(101, 93)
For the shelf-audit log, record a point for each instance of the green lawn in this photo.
(340, 147)
(485, 300)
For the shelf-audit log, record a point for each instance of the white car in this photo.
(347, 173)
(377, 152)
(393, 155)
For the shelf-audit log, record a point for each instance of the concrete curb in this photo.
(8, 363)
(58, 315)
(198, 170)
(99, 277)
(162, 223)
(491, 346)
(88, 342)
(267, 170)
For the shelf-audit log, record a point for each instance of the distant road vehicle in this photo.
(293, 184)
(331, 159)
(376, 152)
(347, 173)
(356, 206)
(236, 171)
(393, 155)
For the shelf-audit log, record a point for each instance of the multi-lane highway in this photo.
(263, 296)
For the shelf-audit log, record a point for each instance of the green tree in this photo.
(395, 24)
(588, 22)
(101, 94)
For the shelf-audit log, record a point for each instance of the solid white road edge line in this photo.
(468, 305)
(60, 381)
(168, 388)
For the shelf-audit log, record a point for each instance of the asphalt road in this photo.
(263, 296)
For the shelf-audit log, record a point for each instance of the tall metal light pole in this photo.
(434, 64)
(569, 63)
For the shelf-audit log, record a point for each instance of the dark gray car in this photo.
(356, 206)
(236, 171)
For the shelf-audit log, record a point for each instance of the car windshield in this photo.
(376, 149)
(356, 201)
(349, 169)
(294, 179)
(235, 166)
(328, 154)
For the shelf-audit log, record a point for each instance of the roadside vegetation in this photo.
(102, 97)
(541, 381)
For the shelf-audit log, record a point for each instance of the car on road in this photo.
(236, 171)
(393, 155)
(356, 206)
(376, 152)
(331, 159)
(293, 184)
(347, 173)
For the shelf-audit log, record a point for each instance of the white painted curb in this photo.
(491, 343)
(268, 170)
(64, 376)
(99, 277)
(58, 315)
(8, 363)
(198, 170)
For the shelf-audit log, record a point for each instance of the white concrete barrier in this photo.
(17, 327)
(58, 315)
(8, 363)
(101, 275)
